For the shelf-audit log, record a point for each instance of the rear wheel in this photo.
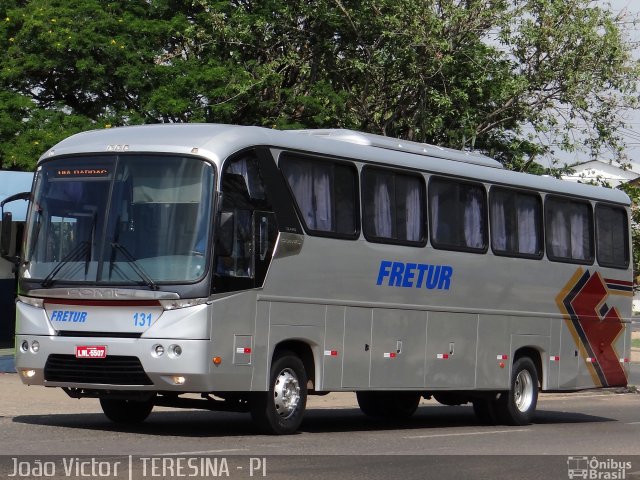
(388, 404)
(517, 406)
(126, 411)
(280, 410)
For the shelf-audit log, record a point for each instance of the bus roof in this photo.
(216, 142)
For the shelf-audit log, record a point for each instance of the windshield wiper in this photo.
(134, 265)
(83, 248)
(76, 253)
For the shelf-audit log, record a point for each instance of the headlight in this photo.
(157, 351)
(175, 351)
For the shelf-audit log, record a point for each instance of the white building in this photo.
(601, 172)
(612, 174)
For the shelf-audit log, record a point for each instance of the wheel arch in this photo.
(303, 350)
(536, 357)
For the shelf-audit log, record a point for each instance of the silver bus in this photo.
(254, 267)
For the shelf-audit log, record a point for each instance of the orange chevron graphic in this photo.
(593, 324)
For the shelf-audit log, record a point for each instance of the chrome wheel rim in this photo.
(523, 391)
(286, 393)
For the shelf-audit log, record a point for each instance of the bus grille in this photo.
(112, 370)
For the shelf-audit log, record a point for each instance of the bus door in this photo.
(247, 230)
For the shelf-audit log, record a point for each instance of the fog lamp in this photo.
(175, 351)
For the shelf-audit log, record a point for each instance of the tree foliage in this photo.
(514, 78)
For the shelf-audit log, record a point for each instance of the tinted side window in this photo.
(458, 216)
(325, 193)
(612, 236)
(393, 207)
(244, 202)
(569, 230)
(516, 223)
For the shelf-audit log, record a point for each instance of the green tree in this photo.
(73, 65)
(513, 78)
(516, 79)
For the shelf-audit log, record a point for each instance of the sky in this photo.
(631, 134)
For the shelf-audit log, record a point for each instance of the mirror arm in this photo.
(17, 196)
(7, 221)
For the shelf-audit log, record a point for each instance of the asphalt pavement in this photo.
(335, 441)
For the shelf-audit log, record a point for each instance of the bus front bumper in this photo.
(126, 363)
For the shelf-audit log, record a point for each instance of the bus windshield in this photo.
(128, 219)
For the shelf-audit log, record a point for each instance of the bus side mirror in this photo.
(225, 234)
(7, 250)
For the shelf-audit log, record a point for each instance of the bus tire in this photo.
(517, 406)
(403, 404)
(371, 403)
(485, 410)
(450, 399)
(126, 411)
(280, 410)
(388, 404)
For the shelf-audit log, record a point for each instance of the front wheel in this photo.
(517, 406)
(280, 410)
(126, 411)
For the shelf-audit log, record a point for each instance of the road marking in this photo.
(633, 423)
(203, 452)
(490, 432)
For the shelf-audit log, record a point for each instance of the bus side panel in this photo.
(492, 371)
(333, 351)
(357, 347)
(551, 380)
(569, 358)
(451, 350)
(300, 322)
(587, 374)
(297, 314)
(235, 371)
(259, 380)
(540, 343)
(398, 348)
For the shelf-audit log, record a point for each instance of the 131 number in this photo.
(142, 319)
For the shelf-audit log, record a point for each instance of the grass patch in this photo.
(635, 343)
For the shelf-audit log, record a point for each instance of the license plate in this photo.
(91, 351)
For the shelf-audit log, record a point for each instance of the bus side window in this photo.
(393, 207)
(516, 223)
(234, 234)
(569, 230)
(326, 194)
(243, 249)
(458, 215)
(612, 236)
